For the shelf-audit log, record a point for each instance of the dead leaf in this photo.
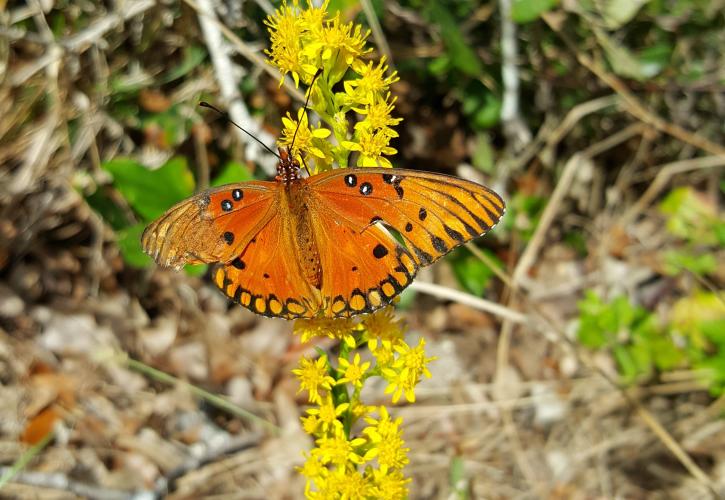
(39, 426)
(153, 101)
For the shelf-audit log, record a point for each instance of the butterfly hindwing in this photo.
(363, 267)
(213, 226)
(266, 277)
(433, 213)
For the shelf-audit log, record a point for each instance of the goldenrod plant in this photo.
(359, 449)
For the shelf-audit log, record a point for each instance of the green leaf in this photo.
(471, 273)
(129, 242)
(195, 269)
(666, 355)
(232, 172)
(623, 62)
(458, 49)
(482, 156)
(106, 208)
(151, 192)
(440, 65)
(676, 261)
(489, 114)
(193, 56)
(525, 11)
(617, 13)
(626, 363)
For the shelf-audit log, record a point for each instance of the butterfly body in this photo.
(318, 246)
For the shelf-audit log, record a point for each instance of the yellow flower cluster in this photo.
(305, 40)
(359, 450)
(354, 448)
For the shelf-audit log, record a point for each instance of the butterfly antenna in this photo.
(307, 100)
(306, 167)
(205, 104)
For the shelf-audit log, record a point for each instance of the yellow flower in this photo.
(314, 18)
(372, 145)
(359, 410)
(310, 424)
(312, 376)
(285, 32)
(414, 359)
(337, 450)
(323, 327)
(390, 484)
(346, 483)
(371, 84)
(352, 372)
(388, 445)
(382, 326)
(406, 371)
(377, 117)
(343, 42)
(328, 414)
(311, 141)
(312, 468)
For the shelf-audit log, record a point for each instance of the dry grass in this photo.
(155, 387)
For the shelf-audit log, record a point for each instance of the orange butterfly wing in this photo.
(363, 268)
(269, 250)
(433, 213)
(266, 277)
(213, 226)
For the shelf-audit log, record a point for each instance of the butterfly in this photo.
(319, 246)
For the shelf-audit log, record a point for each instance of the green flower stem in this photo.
(213, 399)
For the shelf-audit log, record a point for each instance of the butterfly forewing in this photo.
(213, 226)
(433, 213)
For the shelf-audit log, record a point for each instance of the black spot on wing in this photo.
(228, 237)
(239, 263)
(380, 251)
(455, 235)
(237, 194)
(438, 244)
(366, 189)
(227, 205)
(423, 256)
(408, 227)
(422, 213)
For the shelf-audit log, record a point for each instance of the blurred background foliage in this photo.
(101, 133)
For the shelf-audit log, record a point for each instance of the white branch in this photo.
(224, 70)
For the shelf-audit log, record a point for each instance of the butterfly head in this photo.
(288, 168)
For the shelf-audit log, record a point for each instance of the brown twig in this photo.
(631, 103)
